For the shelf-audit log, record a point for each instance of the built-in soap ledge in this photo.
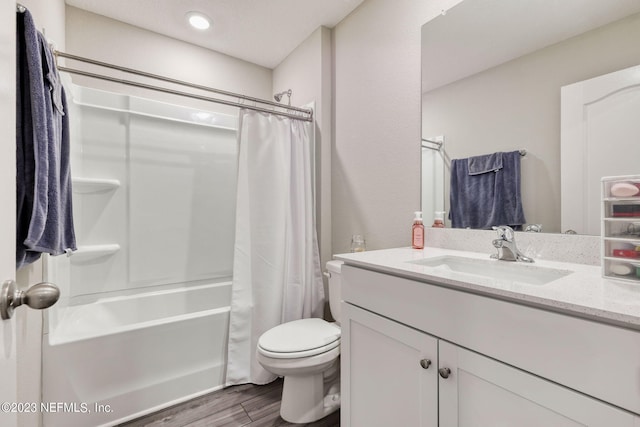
(93, 251)
(94, 185)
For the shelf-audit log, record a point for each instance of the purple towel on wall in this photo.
(483, 164)
(43, 178)
(485, 191)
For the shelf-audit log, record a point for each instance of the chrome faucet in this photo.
(506, 245)
(534, 228)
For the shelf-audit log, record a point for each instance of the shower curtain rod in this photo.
(304, 114)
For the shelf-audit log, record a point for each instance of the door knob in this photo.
(40, 296)
(425, 363)
(444, 372)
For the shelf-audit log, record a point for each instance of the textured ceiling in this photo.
(263, 32)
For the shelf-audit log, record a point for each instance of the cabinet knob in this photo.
(444, 372)
(425, 363)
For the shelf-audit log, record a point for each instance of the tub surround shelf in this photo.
(94, 185)
(94, 251)
(178, 115)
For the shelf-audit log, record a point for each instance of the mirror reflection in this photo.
(492, 77)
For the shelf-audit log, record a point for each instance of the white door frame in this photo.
(8, 352)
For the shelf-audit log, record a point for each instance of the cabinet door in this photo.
(389, 372)
(480, 391)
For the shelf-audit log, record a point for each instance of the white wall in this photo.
(49, 18)
(97, 37)
(308, 72)
(376, 162)
(517, 105)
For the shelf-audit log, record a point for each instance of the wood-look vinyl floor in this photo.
(242, 405)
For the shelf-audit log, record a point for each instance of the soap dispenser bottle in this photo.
(438, 221)
(417, 232)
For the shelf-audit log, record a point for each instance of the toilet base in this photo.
(308, 398)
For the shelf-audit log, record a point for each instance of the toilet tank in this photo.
(335, 295)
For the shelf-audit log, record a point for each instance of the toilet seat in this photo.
(299, 338)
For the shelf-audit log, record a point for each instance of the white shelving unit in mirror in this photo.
(621, 228)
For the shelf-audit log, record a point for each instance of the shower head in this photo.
(278, 96)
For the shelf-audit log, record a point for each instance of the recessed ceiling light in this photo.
(198, 20)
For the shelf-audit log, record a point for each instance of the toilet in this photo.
(306, 353)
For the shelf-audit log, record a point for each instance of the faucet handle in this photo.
(534, 228)
(505, 232)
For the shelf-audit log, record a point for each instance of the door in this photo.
(8, 385)
(389, 373)
(599, 137)
(479, 391)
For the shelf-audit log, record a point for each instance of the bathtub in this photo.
(118, 358)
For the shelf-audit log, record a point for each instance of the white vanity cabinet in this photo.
(492, 362)
(392, 372)
(480, 391)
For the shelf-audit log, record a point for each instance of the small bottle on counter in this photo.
(438, 221)
(357, 243)
(417, 231)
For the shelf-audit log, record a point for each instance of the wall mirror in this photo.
(492, 73)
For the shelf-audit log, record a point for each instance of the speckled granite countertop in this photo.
(583, 292)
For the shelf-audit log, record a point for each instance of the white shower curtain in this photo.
(276, 270)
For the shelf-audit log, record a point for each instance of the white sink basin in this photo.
(529, 274)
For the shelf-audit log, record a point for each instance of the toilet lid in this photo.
(300, 336)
